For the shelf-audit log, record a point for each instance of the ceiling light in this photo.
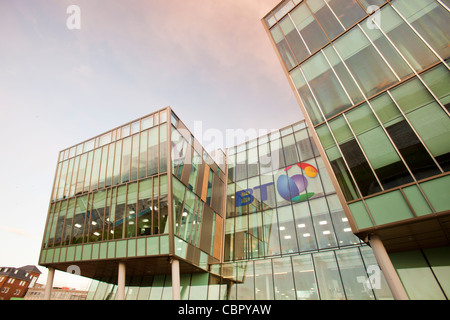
(305, 235)
(322, 222)
(326, 232)
(301, 225)
(347, 229)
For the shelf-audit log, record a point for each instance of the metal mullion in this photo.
(298, 31)
(443, 4)
(411, 67)
(412, 127)
(379, 52)
(362, 150)
(420, 36)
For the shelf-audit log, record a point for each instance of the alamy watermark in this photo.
(74, 19)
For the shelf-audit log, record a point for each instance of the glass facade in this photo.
(280, 243)
(373, 80)
(142, 190)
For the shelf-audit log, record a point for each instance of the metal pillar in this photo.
(175, 279)
(121, 281)
(392, 279)
(49, 284)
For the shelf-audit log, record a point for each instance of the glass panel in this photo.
(309, 28)
(263, 280)
(97, 217)
(68, 223)
(283, 47)
(362, 173)
(295, 42)
(152, 151)
(406, 41)
(306, 96)
(283, 279)
(134, 158)
(341, 172)
(381, 154)
(143, 155)
(288, 236)
(119, 212)
(387, 50)
(344, 76)
(290, 151)
(428, 17)
(408, 144)
(325, 85)
(348, 11)
(328, 278)
(126, 160)
(364, 62)
(427, 117)
(326, 18)
(322, 223)
(342, 228)
(354, 275)
(78, 220)
(271, 234)
(389, 207)
(304, 277)
(131, 210)
(304, 227)
(438, 80)
(163, 148)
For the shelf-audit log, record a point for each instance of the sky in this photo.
(209, 60)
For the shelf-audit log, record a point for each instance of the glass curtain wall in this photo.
(111, 187)
(375, 83)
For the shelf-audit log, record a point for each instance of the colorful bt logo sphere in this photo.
(291, 188)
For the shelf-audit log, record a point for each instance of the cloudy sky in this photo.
(210, 60)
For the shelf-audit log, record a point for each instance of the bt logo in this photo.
(289, 188)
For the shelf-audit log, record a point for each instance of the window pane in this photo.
(387, 50)
(381, 154)
(304, 227)
(295, 42)
(428, 17)
(152, 151)
(328, 278)
(304, 276)
(340, 170)
(263, 280)
(404, 38)
(306, 96)
(364, 62)
(356, 161)
(438, 80)
(287, 230)
(348, 11)
(427, 117)
(343, 74)
(283, 47)
(326, 18)
(283, 279)
(354, 275)
(408, 144)
(325, 86)
(308, 27)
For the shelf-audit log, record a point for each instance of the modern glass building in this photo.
(372, 79)
(148, 214)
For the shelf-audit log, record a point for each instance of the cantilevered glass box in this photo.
(140, 193)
